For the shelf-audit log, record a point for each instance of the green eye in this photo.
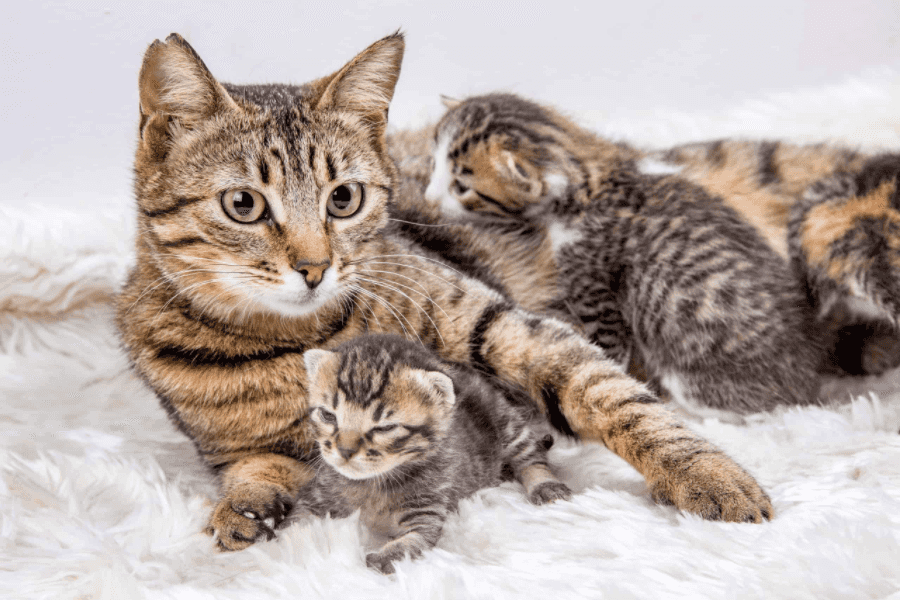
(327, 417)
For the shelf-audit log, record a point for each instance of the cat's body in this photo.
(643, 251)
(404, 436)
(262, 233)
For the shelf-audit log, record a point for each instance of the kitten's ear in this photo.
(174, 82)
(314, 359)
(437, 384)
(450, 103)
(365, 85)
(514, 167)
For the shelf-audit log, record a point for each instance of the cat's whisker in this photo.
(389, 306)
(419, 306)
(357, 288)
(192, 287)
(424, 295)
(172, 277)
(372, 281)
(427, 272)
(421, 224)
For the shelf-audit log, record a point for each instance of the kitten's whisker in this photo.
(420, 307)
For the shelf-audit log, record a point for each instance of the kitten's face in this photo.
(490, 157)
(253, 199)
(368, 421)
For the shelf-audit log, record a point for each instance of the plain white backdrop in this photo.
(69, 70)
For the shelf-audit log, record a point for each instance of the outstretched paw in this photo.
(240, 520)
(549, 491)
(716, 488)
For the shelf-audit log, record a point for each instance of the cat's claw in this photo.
(238, 523)
(380, 562)
(550, 491)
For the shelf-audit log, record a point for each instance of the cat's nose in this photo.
(347, 452)
(347, 444)
(312, 272)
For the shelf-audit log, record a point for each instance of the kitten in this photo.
(263, 232)
(404, 436)
(657, 268)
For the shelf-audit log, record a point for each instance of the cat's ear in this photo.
(174, 82)
(314, 359)
(515, 167)
(450, 103)
(365, 85)
(436, 384)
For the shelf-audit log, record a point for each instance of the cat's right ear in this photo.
(175, 84)
(314, 359)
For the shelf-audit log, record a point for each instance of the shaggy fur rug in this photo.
(100, 496)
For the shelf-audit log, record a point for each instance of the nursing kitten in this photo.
(404, 436)
(263, 215)
(683, 268)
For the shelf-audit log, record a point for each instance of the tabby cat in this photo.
(403, 436)
(713, 271)
(263, 232)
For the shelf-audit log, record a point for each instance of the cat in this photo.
(665, 270)
(263, 232)
(404, 436)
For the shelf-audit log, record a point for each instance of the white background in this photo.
(69, 71)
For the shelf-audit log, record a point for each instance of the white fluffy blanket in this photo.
(100, 497)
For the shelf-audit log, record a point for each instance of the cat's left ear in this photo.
(314, 359)
(436, 384)
(365, 85)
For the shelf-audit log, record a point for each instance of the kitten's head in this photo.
(377, 403)
(498, 154)
(254, 199)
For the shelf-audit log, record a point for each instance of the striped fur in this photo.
(404, 436)
(676, 262)
(227, 294)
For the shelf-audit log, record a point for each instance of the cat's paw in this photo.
(383, 561)
(241, 519)
(716, 488)
(549, 491)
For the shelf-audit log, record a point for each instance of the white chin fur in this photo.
(294, 298)
(438, 190)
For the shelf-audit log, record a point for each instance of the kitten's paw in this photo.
(549, 491)
(716, 488)
(383, 561)
(239, 520)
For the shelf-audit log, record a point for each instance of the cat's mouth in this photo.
(294, 298)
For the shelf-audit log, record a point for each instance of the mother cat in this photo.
(263, 232)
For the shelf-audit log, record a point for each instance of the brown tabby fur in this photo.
(510, 170)
(216, 314)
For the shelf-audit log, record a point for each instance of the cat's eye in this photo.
(244, 206)
(345, 200)
(459, 188)
(383, 428)
(327, 417)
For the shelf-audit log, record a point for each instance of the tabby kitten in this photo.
(404, 436)
(659, 267)
(263, 233)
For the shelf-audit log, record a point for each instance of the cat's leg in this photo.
(420, 524)
(844, 238)
(258, 493)
(600, 402)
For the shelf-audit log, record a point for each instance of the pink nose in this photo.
(312, 272)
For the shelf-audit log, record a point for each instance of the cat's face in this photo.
(369, 418)
(255, 199)
(493, 155)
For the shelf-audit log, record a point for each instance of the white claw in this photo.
(270, 522)
(249, 515)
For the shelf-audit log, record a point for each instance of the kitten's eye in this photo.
(459, 188)
(244, 206)
(327, 416)
(345, 200)
(383, 428)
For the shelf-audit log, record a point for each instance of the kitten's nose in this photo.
(312, 272)
(347, 448)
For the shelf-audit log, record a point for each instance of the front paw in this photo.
(716, 488)
(549, 491)
(246, 516)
